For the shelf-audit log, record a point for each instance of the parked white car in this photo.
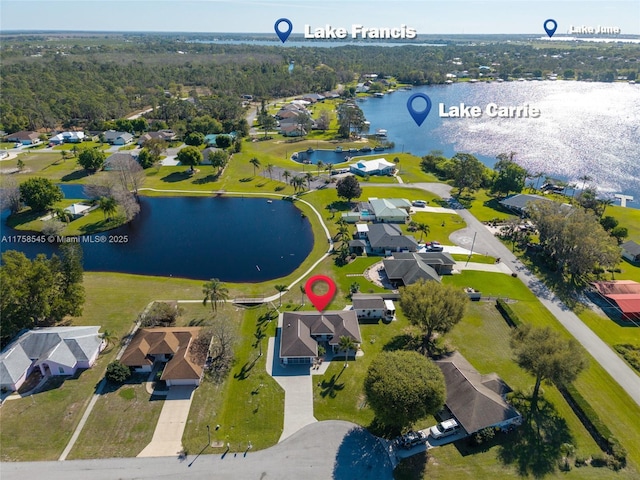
(444, 429)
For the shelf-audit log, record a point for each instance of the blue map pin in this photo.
(283, 35)
(550, 30)
(417, 115)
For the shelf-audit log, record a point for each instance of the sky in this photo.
(259, 16)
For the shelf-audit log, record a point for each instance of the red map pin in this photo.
(320, 301)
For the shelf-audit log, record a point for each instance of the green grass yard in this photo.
(249, 405)
(121, 423)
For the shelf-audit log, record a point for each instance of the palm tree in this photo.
(320, 166)
(215, 292)
(281, 289)
(256, 163)
(108, 206)
(572, 187)
(343, 231)
(604, 203)
(108, 337)
(584, 179)
(302, 292)
(286, 174)
(344, 345)
(269, 169)
(63, 215)
(298, 183)
(538, 176)
(423, 228)
(308, 176)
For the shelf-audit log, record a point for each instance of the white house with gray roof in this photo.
(52, 350)
(373, 307)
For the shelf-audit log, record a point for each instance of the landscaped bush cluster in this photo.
(631, 354)
(616, 457)
(483, 436)
(117, 372)
(509, 315)
(161, 314)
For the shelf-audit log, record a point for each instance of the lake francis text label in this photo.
(360, 31)
(492, 110)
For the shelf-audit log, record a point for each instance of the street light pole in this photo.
(209, 434)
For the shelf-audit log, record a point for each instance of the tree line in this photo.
(40, 292)
(71, 86)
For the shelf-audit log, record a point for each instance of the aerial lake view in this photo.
(583, 128)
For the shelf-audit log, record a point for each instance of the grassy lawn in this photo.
(338, 394)
(39, 427)
(483, 206)
(475, 258)
(441, 225)
(249, 405)
(121, 424)
(47, 420)
(83, 145)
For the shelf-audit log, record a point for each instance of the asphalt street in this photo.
(324, 450)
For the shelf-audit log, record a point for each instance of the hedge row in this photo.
(600, 432)
(509, 315)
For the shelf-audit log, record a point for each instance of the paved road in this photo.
(487, 243)
(325, 450)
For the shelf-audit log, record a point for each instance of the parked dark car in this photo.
(410, 439)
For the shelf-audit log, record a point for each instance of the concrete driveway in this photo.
(167, 437)
(296, 382)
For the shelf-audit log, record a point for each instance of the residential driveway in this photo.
(296, 382)
(167, 437)
(322, 451)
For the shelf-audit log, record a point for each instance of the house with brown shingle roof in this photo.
(166, 344)
(476, 401)
(301, 332)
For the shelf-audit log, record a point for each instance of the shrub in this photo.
(599, 460)
(507, 313)
(598, 429)
(161, 314)
(631, 354)
(117, 372)
(483, 436)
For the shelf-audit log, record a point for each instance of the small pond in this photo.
(332, 157)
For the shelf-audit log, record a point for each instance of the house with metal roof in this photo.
(390, 210)
(52, 350)
(624, 295)
(378, 166)
(301, 332)
(476, 401)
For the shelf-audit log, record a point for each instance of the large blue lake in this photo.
(583, 128)
(230, 238)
